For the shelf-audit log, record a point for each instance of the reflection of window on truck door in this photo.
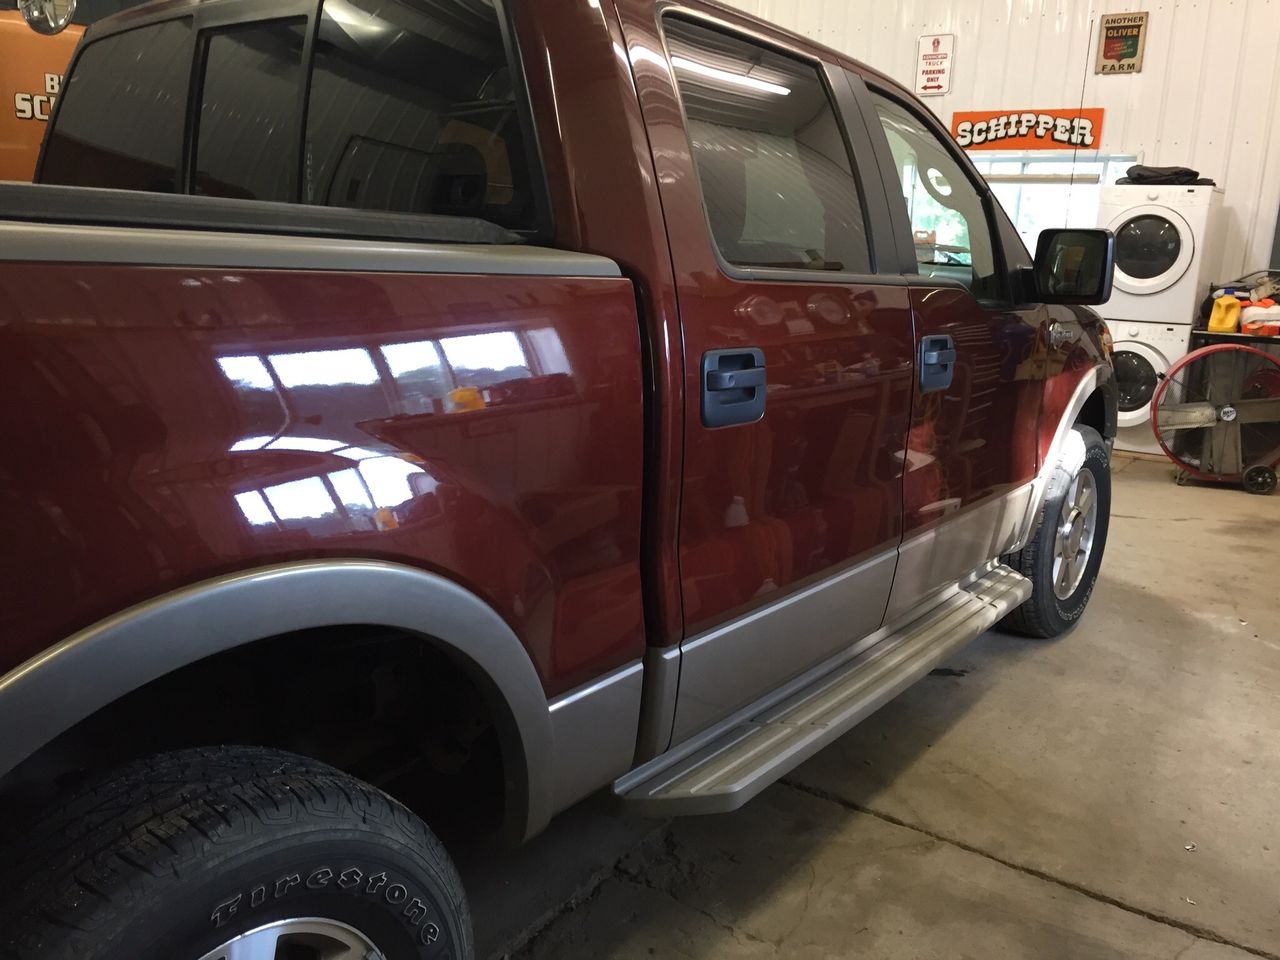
(948, 219)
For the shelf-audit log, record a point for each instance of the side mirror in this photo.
(1075, 266)
(47, 16)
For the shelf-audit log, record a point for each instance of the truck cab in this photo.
(487, 404)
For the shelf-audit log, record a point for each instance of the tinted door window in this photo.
(122, 111)
(1147, 247)
(413, 110)
(246, 143)
(948, 220)
(777, 180)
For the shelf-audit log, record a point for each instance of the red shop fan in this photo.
(1217, 415)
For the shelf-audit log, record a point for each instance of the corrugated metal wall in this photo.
(1208, 96)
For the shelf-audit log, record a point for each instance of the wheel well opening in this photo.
(1094, 414)
(382, 705)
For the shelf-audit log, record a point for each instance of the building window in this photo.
(1041, 192)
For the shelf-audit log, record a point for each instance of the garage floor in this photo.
(1112, 794)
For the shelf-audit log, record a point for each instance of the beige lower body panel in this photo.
(732, 665)
(960, 543)
(721, 769)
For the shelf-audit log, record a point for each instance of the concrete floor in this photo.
(1114, 793)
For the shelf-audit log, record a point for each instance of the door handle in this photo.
(1061, 334)
(748, 379)
(937, 363)
(734, 386)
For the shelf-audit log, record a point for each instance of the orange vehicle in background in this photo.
(31, 67)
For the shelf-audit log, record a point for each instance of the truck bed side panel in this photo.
(163, 425)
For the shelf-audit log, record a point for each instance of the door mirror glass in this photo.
(47, 16)
(1075, 266)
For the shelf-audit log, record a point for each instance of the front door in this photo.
(798, 358)
(972, 446)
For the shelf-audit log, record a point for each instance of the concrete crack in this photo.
(523, 944)
(1195, 930)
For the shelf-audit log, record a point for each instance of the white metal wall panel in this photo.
(1208, 96)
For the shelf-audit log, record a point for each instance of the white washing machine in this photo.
(1168, 250)
(1144, 352)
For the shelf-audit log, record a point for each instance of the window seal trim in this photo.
(96, 206)
(544, 228)
(825, 73)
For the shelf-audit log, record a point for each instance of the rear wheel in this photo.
(232, 854)
(1064, 554)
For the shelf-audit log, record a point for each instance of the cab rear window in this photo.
(411, 108)
(121, 113)
(246, 146)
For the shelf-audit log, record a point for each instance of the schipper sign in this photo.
(934, 59)
(1070, 128)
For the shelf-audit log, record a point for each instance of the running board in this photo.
(766, 744)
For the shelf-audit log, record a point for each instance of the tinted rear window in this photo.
(122, 112)
(250, 101)
(413, 109)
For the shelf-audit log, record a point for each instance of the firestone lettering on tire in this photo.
(348, 880)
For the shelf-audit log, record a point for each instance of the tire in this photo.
(173, 857)
(1045, 614)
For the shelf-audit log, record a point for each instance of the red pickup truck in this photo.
(485, 404)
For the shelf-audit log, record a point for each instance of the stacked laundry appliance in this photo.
(1168, 250)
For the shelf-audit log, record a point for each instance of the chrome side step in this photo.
(764, 745)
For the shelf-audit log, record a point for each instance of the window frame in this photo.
(902, 216)
(857, 141)
(208, 18)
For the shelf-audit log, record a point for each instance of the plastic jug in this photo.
(1225, 317)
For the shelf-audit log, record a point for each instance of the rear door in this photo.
(798, 358)
(972, 445)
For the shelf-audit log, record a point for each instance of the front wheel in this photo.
(232, 854)
(1064, 553)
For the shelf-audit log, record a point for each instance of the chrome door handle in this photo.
(1061, 334)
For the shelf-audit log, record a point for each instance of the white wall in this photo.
(1208, 96)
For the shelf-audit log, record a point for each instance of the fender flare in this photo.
(68, 682)
(1095, 380)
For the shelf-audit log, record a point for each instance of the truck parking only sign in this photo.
(1122, 42)
(1067, 129)
(934, 60)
